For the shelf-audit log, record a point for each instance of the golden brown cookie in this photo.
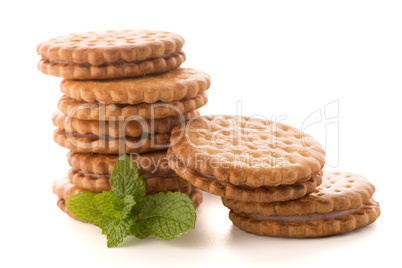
(245, 151)
(120, 112)
(342, 203)
(116, 70)
(338, 191)
(108, 145)
(91, 172)
(177, 84)
(111, 54)
(146, 163)
(245, 193)
(116, 129)
(153, 182)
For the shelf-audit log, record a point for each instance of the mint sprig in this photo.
(126, 209)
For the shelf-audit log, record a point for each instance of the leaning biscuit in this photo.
(244, 193)
(342, 203)
(177, 84)
(245, 151)
(120, 112)
(111, 54)
(108, 145)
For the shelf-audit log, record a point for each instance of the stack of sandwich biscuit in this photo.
(270, 177)
(124, 92)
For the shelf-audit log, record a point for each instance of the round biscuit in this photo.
(109, 71)
(116, 129)
(101, 183)
(97, 48)
(150, 143)
(102, 164)
(177, 84)
(368, 214)
(260, 194)
(120, 112)
(338, 191)
(247, 151)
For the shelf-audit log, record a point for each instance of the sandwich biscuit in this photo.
(108, 145)
(243, 151)
(111, 54)
(177, 84)
(342, 203)
(117, 129)
(119, 112)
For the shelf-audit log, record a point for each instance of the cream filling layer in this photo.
(303, 218)
(107, 63)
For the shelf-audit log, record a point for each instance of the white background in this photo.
(277, 58)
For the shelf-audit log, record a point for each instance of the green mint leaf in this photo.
(139, 231)
(129, 203)
(105, 210)
(126, 180)
(109, 204)
(166, 216)
(85, 207)
(116, 231)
